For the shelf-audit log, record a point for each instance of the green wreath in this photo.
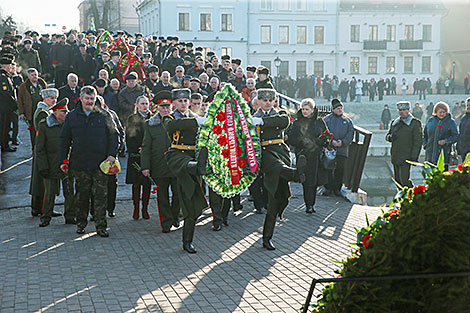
(229, 175)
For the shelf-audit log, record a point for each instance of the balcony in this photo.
(375, 45)
(411, 45)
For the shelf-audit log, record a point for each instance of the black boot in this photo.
(188, 247)
(267, 243)
(295, 174)
(197, 168)
(309, 209)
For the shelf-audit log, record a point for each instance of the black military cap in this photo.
(176, 38)
(27, 42)
(138, 35)
(164, 40)
(189, 44)
(161, 38)
(210, 53)
(6, 59)
(162, 98)
(153, 68)
(128, 34)
(115, 53)
(103, 44)
(198, 54)
(34, 33)
(208, 65)
(45, 35)
(105, 53)
(147, 55)
(183, 93)
(131, 76)
(187, 58)
(28, 32)
(195, 79)
(237, 61)
(91, 32)
(199, 49)
(172, 49)
(251, 68)
(199, 58)
(154, 37)
(169, 38)
(100, 82)
(225, 57)
(18, 37)
(264, 70)
(187, 77)
(265, 93)
(213, 57)
(120, 32)
(82, 45)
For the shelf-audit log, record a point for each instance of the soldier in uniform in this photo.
(155, 144)
(275, 161)
(110, 65)
(182, 128)
(7, 101)
(47, 160)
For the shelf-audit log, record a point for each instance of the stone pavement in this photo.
(140, 269)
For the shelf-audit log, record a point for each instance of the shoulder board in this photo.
(170, 116)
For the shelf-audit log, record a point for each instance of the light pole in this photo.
(452, 81)
(277, 64)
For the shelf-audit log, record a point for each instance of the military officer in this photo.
(111, 64)
(7, 101)
(275, 161)
(156, 142)
(47, 160)
(182, 128)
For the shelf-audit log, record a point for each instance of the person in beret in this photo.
(342, 129)
(153, 163)
(406, 136)
(28, 58)
(46, 157)
(182, 127)
(128, 96)
(275, 161)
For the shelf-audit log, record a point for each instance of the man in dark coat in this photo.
(84, 66)
(28, 58)
(127, 97)
(70, 91)
(7, 101)
(163, 84)
(173, 61)
(155, 144)
(61, 56)
(275, 161)
(463, 145)
(152, 80)
(90, 137)
(182, 128)
(406, 136)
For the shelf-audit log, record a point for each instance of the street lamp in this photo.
(452, 81)
(277, 64)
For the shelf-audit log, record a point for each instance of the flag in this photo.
(92, 24)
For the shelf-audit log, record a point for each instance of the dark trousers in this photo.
(276, 206)
(422, 94)
(60, 77)
(310, 194)
(68, 188)
(4, 130)
(48, 200)
(112, 190)
(257, 190)
(168, 212)
(91, 183)
(219, 206)
(335, 177)
(402, 174)
(14, 126)
(32, 133)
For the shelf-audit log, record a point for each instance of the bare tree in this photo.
(101, 20)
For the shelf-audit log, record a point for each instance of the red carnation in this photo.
(222, 140)
(220, 116)
(156, 188)
(242, 162)
(418, 189)
(460, 166)
(66, 161)
(64, 167)
(239, 151)
(365, 242)
(440, 126)
(217, 130)
(30, 127)
(225, 153)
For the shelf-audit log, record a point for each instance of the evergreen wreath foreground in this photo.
(426, 230)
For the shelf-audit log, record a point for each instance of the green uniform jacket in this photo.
(36, 186)
(274, 156)
(183, 131)
(47, 150)
(154, 147)
(406, 140)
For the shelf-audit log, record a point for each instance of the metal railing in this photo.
(374, 278)
(357, 150)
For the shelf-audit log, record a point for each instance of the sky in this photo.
(37, 13)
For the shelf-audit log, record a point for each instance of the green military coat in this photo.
(154, 146)
(47, 150)
(406, 137)
(274, 156)
(36, 186)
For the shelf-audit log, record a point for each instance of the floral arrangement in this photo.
(425, 230)
(232, 143)
(129, 61)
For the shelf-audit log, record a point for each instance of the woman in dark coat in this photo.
(440, 133)
(134, 139)
(305, 137)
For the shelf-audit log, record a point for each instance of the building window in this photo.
(390, 65)
(355, 33)
(408, 65)
(409, 32)
(426, 65)
(301, 5)
(266, 4)
(227, 51)
(283, 5)
(391, 32)
(301, 68)
(373, 32)
(319, 35)
(284, 68)
(266, 34)
(427, 32)
(183, 21)
(372, 65)
(205, 22)
(318, 68)
(283, 34)
(266, 64)
(227, 22)
(301, 34)
(354, 65)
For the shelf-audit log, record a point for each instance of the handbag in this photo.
(453, 156)
(328, 159)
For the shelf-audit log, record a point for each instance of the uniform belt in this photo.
(183, 147)
(271, 142)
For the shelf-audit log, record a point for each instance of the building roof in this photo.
(392, 5)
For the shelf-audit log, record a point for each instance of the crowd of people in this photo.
(94, 114)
